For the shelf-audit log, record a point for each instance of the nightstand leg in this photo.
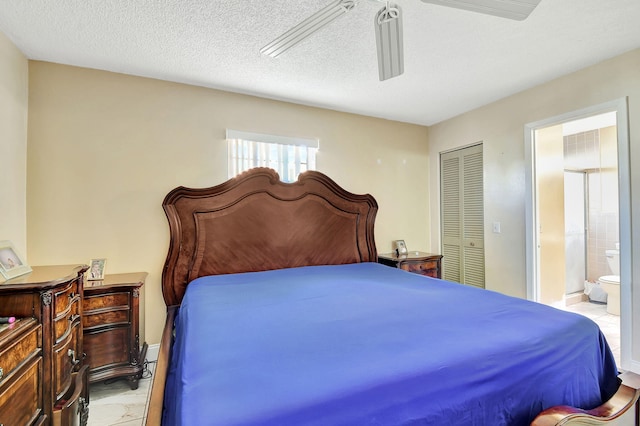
(133, 380)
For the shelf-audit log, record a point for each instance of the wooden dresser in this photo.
(415, 261)
(43, 380)
(111, 327)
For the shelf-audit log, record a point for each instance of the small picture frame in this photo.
(11, 263)
(400, 247)
(96, 269)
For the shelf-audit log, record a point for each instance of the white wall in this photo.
(13, 144)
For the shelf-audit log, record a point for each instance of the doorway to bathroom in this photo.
(576, 185)
(578, 214)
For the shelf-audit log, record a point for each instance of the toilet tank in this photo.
(613, 259)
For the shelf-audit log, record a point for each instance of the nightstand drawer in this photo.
(105, 318)
(419, 267)
(416, 262)
(107, 348)
(91, 303)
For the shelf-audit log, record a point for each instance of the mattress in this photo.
(366, 344)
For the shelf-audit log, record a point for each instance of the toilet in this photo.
(611, 283)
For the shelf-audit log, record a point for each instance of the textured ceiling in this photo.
(455, 60)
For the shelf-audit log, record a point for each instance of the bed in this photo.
(278, 314)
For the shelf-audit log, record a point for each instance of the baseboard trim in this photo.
(152, 352)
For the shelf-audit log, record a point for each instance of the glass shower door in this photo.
(575, 231)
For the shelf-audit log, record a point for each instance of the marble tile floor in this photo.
(114, 403)
(608, 323)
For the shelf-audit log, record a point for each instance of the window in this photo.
(288, 156)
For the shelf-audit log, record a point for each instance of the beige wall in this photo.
(550, 190)
(500, 126)
(13, 144)
(105, 148)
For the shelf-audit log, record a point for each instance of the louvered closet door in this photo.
(462, 215)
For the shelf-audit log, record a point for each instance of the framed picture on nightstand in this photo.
(400, 247)
(96, 269)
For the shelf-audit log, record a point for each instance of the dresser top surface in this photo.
(44, 276)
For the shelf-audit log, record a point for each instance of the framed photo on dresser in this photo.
(11, 263)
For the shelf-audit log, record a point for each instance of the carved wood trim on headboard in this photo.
(255, 222)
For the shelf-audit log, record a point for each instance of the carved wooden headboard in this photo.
(255, 222)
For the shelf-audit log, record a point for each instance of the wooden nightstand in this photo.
(111, 327)
(417, 262)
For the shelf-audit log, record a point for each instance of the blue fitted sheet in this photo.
(366, 344)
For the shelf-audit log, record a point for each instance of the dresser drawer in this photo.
(19, 350)
(20, 397)
(70, 409)
(66, 356)
(65, 297)
(63, 323)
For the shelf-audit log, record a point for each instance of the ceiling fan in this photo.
(388, 25)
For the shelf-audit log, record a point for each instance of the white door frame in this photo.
(532, 253)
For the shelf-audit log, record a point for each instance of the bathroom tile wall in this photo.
(594, 152)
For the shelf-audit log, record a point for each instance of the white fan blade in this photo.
(512, 9)
(307, 27)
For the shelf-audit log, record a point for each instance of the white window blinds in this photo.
(288, 156)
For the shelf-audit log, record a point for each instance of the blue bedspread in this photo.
(365, 344)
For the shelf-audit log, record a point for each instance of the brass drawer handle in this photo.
(72, 295)
(73, 317)
(72, 355)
